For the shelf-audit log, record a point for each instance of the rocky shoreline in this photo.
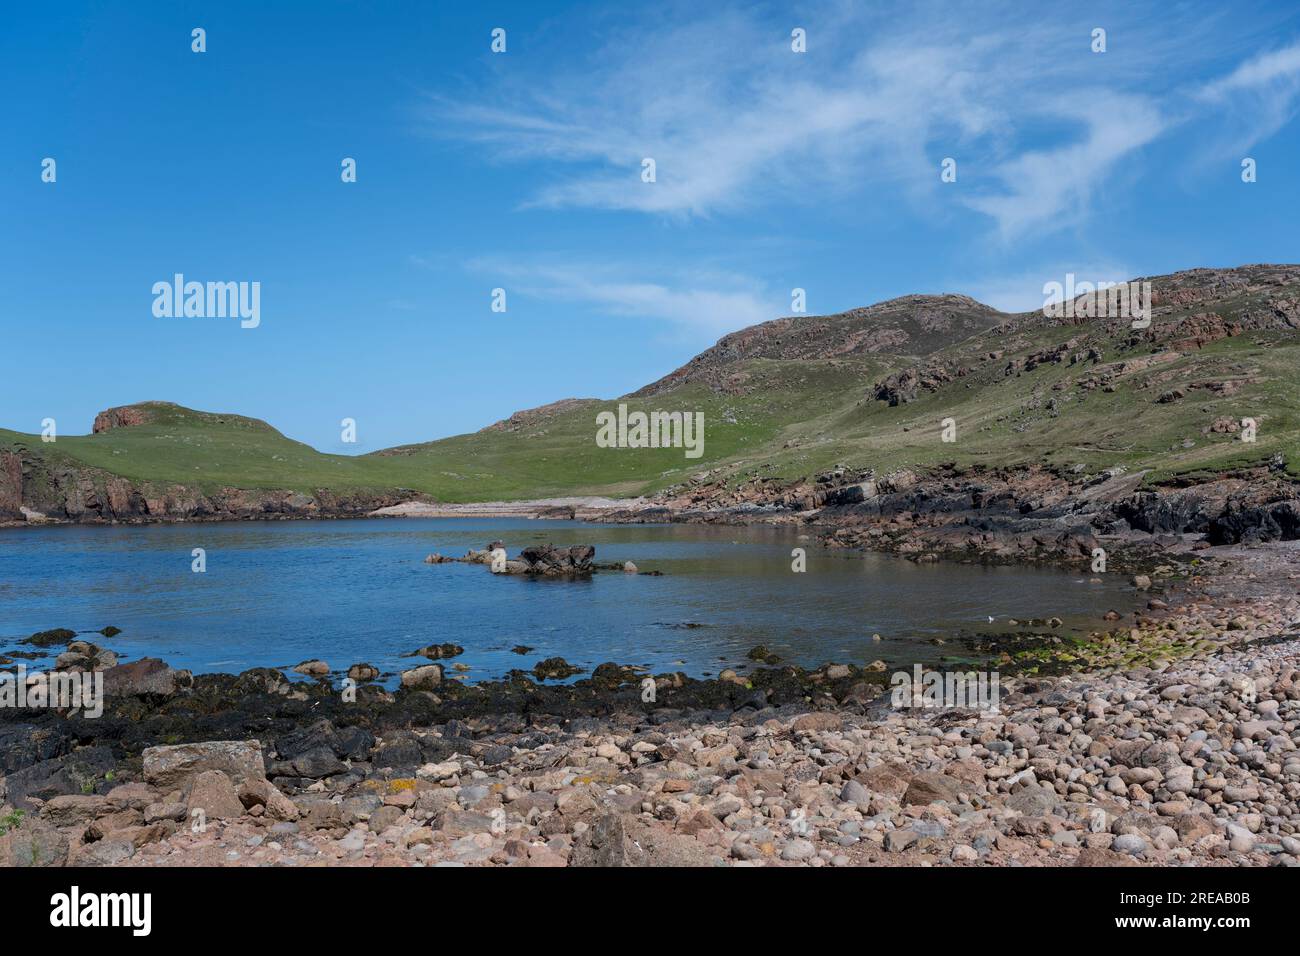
(1010, 515)
(1170, 740)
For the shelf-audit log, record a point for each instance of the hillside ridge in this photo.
(860, 390)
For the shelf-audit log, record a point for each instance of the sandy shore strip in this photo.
(532, 508)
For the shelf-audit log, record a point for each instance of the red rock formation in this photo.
(122, 417)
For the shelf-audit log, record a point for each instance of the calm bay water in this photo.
(349, 591)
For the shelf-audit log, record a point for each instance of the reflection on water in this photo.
(350, 591)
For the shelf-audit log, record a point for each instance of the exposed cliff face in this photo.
(122, 417)
(33, 490)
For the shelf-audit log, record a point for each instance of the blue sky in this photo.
(522, 170)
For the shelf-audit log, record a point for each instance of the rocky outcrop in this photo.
(543, 560)
(996, 514)
(125, 416)
(546, 559)
(903, 387)
(1242, 523)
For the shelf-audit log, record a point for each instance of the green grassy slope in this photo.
(794, 397)
(204, 450)
(557, 457)
(1010, 420)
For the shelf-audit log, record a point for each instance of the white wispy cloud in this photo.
(1052, 188)
(1265, 70)
(1045, 133)
(734, 119)
(1255, 100)
(700, 304)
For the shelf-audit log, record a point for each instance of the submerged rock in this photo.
(554, 668)
(51, 638)
(363, 672)
(437, 651)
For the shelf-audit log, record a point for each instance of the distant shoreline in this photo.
(531, 508)
(577, 508)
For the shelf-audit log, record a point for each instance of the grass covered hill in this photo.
(792, 397)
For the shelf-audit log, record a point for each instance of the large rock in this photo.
(172, 766)
(619, 839)
(104, 853)
(890, 779)
(363, 672)
(85, 656)
(22, 745)
(929, 787)
(146, 676)
(33, 843)
(78, 772)
(1034, 801)
(436, 651)
(310, 764)
(134, 796)
(608, 843)
(51, 638)
(72, 809)
(263, 793)
(261, 680)
(550, 560)
(1276, 521)
(425, 677)
(348, 743)
(852, 494)
(212, 792)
